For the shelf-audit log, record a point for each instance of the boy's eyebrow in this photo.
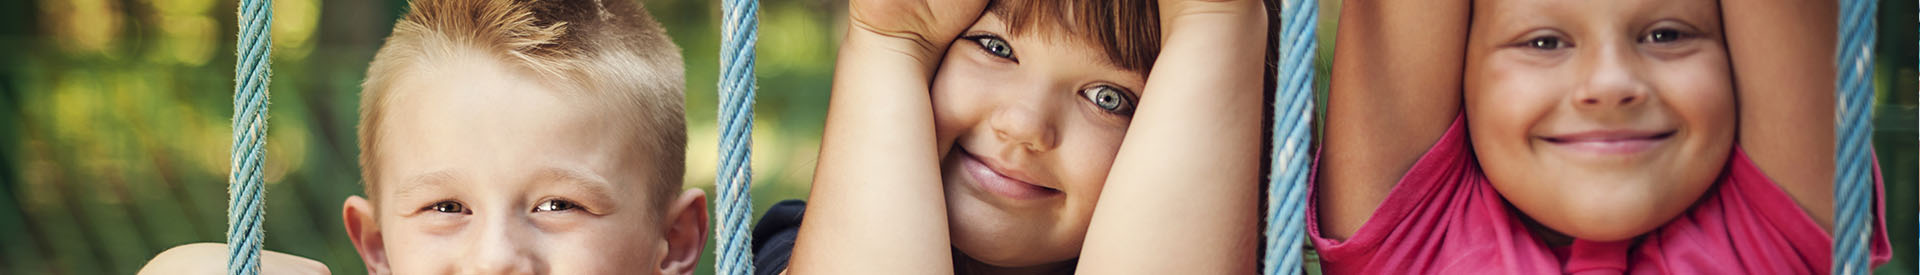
(424, 181)
(593, 189)
(550, 174)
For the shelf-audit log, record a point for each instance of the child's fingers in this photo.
(211, 258)
(276, 263)
(929, 25)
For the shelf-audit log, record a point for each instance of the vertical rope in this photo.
(739, 34)
(1853, 175)
(245, 193)
(1292, 136)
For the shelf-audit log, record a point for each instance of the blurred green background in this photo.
(114, 120)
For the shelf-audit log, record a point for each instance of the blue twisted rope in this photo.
(1292, 136)
(1853, 175)
(245, 193)
(740, 31)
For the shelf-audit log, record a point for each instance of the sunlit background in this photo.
(114, 120)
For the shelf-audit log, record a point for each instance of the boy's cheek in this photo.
(599, 249)
(413, 253)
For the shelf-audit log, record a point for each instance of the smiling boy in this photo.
(523, 137)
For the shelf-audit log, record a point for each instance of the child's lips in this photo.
(1609, 142)
(987, 178)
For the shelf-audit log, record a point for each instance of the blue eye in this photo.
(555, 205)
(450, 207)
(994, 45)
(1113, 100)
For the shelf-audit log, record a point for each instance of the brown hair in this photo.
(609, 50)
(1128, 30)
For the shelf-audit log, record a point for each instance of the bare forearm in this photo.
(876, 192)
(1396, 86)
(1783, 67)
(1182, 195)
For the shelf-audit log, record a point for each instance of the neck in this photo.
(1546, 234)
(962, 264)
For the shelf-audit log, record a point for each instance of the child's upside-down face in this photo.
(1029, 126)
(1600, 119)
(485, 171)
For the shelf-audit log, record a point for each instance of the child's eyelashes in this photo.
(554, 205)
(456, 207)
(1111, 99)
(1545, 43)
(447, 207)
(993, 45)
(1664, 36)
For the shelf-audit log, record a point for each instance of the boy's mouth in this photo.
(990, 177)
(1609, 142)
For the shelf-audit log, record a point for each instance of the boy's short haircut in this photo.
(609, 51)
(1127, 30)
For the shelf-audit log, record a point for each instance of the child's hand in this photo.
(924, 26)
(211, 258)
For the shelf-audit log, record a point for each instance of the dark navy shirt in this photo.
(773, 236)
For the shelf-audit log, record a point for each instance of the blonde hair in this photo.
(610, 50)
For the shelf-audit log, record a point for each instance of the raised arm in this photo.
(1396, 86)
(1783, 71)
(1182, 197)
(876, 205)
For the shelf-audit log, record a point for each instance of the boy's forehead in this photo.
(465, 121)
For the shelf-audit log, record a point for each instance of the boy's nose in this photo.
(1024, 125)
(1613, 81)
(502, 246)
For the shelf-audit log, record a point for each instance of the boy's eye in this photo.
(1663, 36)
(451, 207)
(555, 205)
(1110, 99)
(1546, 43)
(994, 45)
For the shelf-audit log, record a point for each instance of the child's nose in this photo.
(502, 246)
(1024, 125)
(1613, 81)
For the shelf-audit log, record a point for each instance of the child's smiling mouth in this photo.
(990, 177)
(1609, 142)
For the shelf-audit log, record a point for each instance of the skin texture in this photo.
(1607, 75)
(1783, 59)
(1555, 90)
(489, 171)
(1396, 85)
(876, 192)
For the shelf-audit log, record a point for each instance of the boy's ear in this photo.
(359, 217)
(686, 235)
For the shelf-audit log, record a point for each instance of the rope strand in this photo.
(1853, 176)
(1292, 136)
(246, 194)
(740, 33)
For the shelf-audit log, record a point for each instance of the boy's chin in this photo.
(1609, 214)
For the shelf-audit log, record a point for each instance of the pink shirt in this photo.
(1445, 218)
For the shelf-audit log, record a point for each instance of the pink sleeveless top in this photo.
(1444, 217)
